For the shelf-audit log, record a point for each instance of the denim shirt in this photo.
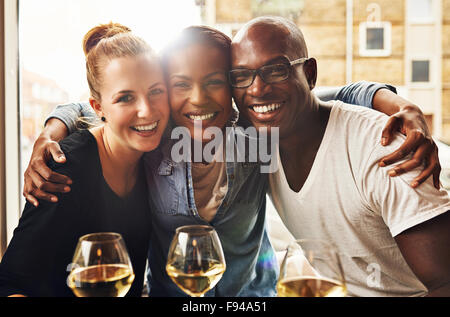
(251, 265)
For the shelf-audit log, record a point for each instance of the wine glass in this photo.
(101, 266)
(311, 268)
(195, 262)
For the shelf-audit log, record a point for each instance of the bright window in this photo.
(420, 11)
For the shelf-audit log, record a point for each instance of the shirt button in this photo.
(232, 176)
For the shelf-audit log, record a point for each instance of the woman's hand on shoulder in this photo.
(410, 121)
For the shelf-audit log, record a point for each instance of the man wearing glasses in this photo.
(330, 184)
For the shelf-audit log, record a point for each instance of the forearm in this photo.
(425, 248)
(54, 130)
(389, 103)
(441, 291)
(360, 93)
(71, 113)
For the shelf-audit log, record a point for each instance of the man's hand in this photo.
(39, 180)
(411, 122)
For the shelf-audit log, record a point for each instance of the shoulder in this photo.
(362, 126)
(79, 144)
(357, 115)
(356, 133)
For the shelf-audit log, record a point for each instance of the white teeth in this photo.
(149, 127)
(201, 117)
(264, 109)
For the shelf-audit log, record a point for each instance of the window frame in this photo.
(412, 70)
(421, 84)
(387, 39)
(10, 181)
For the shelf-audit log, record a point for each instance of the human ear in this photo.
(96, 106)
(310, 68)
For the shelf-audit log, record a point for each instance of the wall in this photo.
(323, 23)
(2, 136)
(446, 71)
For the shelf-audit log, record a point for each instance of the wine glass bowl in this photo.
(311, 268)
(101, 266)
(195, 262)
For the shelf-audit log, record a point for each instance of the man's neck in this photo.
(308, 130)
(298, 151)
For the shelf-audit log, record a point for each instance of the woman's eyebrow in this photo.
(122, 92)
(180, 76)
(216, 73)
(155, 84)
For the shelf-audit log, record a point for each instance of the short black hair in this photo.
(295, 39)
(198, 34)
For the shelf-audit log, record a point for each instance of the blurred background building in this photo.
(402, 42)
(39, 97)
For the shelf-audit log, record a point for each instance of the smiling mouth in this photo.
(202, 117)
(268, 108)
(145, 128)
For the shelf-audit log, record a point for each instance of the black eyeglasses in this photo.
(243, 78)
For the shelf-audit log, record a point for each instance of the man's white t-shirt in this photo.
(351, 201)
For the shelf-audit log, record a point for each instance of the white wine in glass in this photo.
(101, 267)
(195, 261)
(311, 268)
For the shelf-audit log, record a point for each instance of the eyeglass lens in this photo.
(269, 74)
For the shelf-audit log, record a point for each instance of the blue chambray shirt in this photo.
(251, 265)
